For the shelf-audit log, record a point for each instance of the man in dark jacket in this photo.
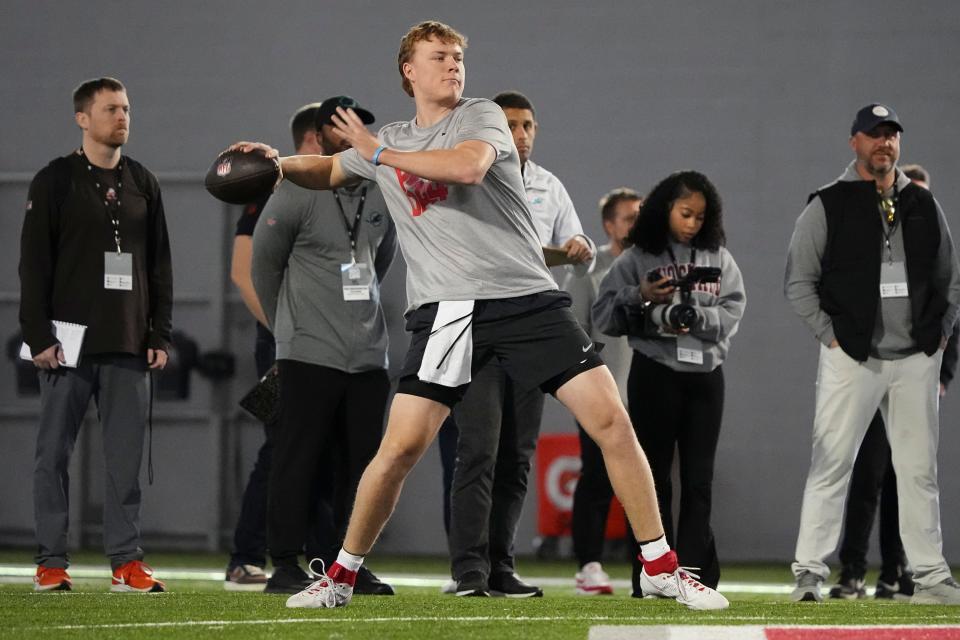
(95, 253)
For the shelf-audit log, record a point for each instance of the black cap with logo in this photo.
(871, 116)
(329, 107)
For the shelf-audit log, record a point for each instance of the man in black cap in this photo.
(318, 260)
(871, 270)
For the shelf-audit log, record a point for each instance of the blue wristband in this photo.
(376, 156)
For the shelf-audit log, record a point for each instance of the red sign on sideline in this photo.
(558, 470)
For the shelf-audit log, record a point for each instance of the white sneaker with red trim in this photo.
(592, 580)
(684, 587)
(324, 593)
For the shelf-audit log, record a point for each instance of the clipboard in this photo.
(70, 337)
(555, 256)
(263, 400)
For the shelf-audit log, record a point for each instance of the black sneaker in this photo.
(288, 578)
(370, 585)
(473, 584)
(900, 589)
(509, 584)
(849, 589)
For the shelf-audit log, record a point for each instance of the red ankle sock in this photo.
(338, 574)
(667, 563)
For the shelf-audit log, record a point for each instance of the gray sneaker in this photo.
(946, 592)
(808, 588)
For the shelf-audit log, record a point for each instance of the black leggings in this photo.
(669, 410)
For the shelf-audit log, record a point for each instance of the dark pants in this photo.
(669, 410)
(591, 502)
(118, 386)
(498, 426)
(331, 424)
(447, 442)
(250, 535)
(873, 478)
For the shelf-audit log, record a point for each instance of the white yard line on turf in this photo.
(15, 573)
(620, 620)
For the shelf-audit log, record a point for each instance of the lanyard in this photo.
(684, 295)
(889, 218)
(103, 190)
(673, 258)
(352, 231)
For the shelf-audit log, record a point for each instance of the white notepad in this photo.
(69, 335)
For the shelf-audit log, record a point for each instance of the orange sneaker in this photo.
(51, 579)
(136, 575)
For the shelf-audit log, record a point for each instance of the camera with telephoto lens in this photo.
(681, 315)
(675, 316)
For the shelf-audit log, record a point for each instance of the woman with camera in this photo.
(678, 295)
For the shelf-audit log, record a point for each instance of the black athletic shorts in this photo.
(536, 339)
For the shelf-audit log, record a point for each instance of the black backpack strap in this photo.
(142, 181)
(62, 180)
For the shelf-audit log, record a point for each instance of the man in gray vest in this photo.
(871, 270)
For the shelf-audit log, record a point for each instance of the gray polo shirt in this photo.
(299, 245)
(460, 242)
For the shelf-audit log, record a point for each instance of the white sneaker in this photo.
(684, 587)
(449, 587)
(245, 577)
(946, 592)
(592, 580)
(322, 594)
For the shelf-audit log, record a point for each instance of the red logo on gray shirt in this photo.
(421, 193)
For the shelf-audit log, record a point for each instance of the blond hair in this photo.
(427, 30)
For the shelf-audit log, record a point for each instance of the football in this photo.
(239, 178)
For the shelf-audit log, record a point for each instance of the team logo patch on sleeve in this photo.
(29, 205)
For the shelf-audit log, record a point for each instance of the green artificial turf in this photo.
(192, 610)
(202, 609)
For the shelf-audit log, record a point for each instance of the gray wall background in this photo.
(758, 95)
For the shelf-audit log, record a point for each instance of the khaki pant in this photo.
(848, 395)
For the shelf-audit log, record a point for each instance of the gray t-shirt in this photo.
(299, 246)
(460, 242)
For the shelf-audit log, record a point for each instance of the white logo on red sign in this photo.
(561, 480)
(224, 168)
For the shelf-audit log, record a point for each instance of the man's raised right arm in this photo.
(307, 171)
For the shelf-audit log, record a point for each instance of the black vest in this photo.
(850, 278)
